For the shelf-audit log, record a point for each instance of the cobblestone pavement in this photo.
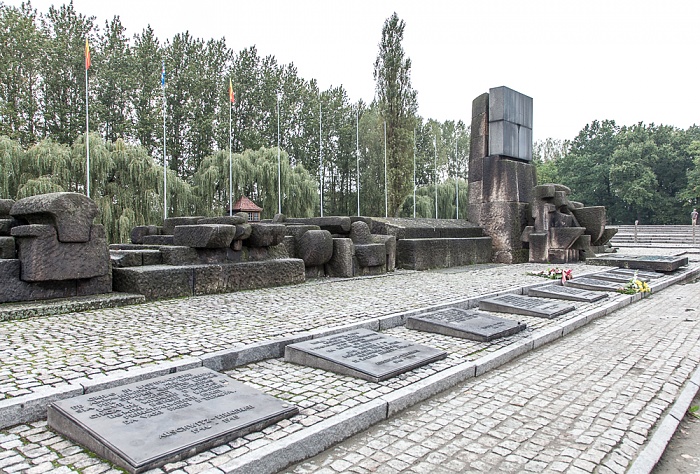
(658, 353)
(587, 402)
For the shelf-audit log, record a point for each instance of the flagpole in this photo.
(279, 161)
(435, 176)
(357, 154)
(230, 156)
(414, 173)
(87, 120)
(320, 148)
(456, 174)
(165, 156)
(386, 191)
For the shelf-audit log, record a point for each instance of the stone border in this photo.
(31, 309)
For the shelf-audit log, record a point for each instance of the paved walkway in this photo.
(587, 402)
(65, 351)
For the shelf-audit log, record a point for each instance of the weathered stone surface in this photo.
(479, 141)
(170, 223)
(266, 235)
(389, 242)
(564, 237)
(155, 281)
(538, 247)
(297, 230)
(147, 424)
(509, 105)
(507, 180)
(70, 213)
(333, 224)
(616, 277)
(135, 258)
(544, 191)
(593, 219)
(44, 258)
(419, 228)
(5, 206)
(243, 231)
(360, 233)
(504, 222)
(424, 254)
(525, 305)
(7, 247)
(224, 220)
(207, 236)
(178, 255)
(340, 264)
(94, 286)
(370, 255)
(279, 218)
(139, 232)
(467, 324)
(165, 239)
(562, 255)
(566, 293)
(592, 284)
(362, 353)
(233, 277)
(7, 224)
(315, 247)
(12, 288)
(608, 234)
(509, 139)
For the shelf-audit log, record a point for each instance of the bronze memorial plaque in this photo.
(566, 293)
(144, 425)
(467, 324)
(362, 353)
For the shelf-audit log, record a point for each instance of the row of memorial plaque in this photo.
(145, 425)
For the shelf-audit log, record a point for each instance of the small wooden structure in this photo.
(246, 205)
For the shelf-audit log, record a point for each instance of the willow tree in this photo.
(255, 175)
(397, 104)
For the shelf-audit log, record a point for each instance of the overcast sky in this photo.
(625, 60)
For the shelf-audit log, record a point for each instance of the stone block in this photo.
(315, 247)
(297, 230)
(6, 224)
(360, 233)
(424, 254)
(5, 206)
(266, 235)
(170, 223)
(593, 219)
(177, 255)
(564, 237)
(544, 191)
(94, 286)
(507, 180)
(317, 271)
(538, 247)
(475, 193)
(7, 247)
(205, 236)
(504, 222)
(509, 105)
(583, 243)
(209, 279)
(370, 255)
(165, 239)
(333, 224)
(139, 232)
(474, 212)
(479, 144)
(509, 139)
(562, 255)
(389, 242)
(243, 231)
(44, 258)
(340, 264)
(12, 288)
(223, 220)
(155, 281)
(126, 258)
(608, 233)
(70, 213)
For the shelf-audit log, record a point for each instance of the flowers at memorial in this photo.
(635, 286)
(562, 274)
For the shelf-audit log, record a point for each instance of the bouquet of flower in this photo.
(634, 286)
(562, 274)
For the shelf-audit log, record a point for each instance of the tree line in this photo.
(43, 93)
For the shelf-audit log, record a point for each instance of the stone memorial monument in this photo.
(467, 324)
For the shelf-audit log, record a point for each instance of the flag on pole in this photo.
(162, 76)
(230, 91)
(87, 55)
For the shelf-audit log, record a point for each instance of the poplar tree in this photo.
(397, 107)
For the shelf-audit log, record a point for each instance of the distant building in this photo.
(246, 205)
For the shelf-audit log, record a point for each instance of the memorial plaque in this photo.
(655, 263)
(566, 293)
(147, 424)
(467, 324)
(362, 353)
(525, 305)
(640, 273)
(585, 283)
(616, 277)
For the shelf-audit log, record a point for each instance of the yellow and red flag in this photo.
(87, 55)
(230, 91)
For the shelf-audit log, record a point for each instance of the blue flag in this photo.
(162, 76)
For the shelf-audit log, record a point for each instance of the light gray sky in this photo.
(626, 60)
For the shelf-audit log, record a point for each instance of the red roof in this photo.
(246, 205)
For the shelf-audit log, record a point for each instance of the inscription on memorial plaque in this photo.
(525, 305)
(640, 273)
(616, 277)
(566, 293)
(585, 283)
(362, 353)
(467, 324)
(655, 263)
(147, 424)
